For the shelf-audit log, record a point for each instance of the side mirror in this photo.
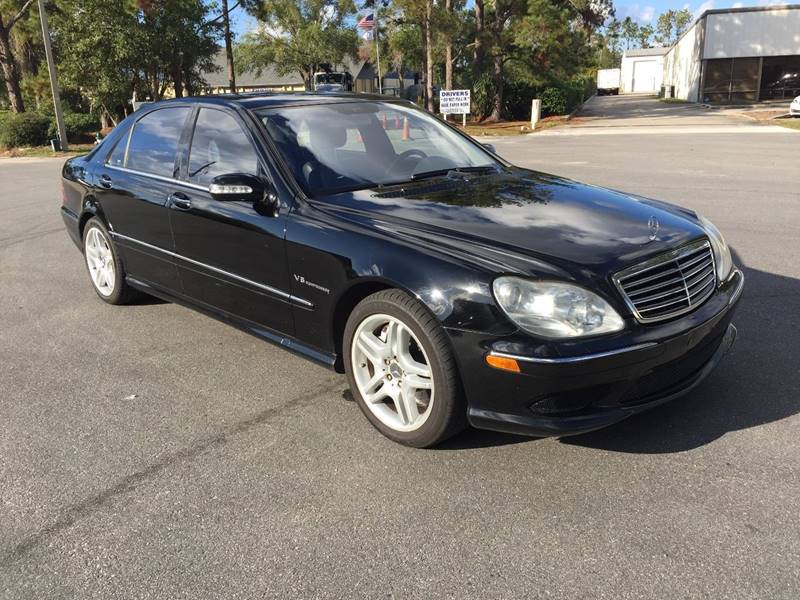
(490, 148)
(247, 188)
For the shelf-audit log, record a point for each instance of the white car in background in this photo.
(794, 107)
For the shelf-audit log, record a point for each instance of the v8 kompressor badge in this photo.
(316, 286)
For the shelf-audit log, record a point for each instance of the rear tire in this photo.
(401, 370)
(104, 265)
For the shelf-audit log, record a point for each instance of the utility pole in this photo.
(51, 68)
(378, 49)
(226, 22)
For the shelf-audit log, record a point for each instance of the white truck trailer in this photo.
(608, 81)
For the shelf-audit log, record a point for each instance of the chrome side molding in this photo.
(274, 291)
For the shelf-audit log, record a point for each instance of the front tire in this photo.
(104, 265)
(401, 370)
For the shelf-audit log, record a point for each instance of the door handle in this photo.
(105, 181)
(180, 201)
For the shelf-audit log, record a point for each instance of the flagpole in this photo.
(378, 50)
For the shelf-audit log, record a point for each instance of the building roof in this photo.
(268, 77)
(266, 99)
(646, 52)
(741, 9)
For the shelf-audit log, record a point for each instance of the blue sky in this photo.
(646, 11)
(241, 22)
(642, 11)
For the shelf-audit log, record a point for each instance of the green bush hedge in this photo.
(79, 126)
(25, 129)
(35, 129)
(554, 102)
(559, 99)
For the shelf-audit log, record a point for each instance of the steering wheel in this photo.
(412, 153)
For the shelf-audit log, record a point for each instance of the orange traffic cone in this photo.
(406, 133)
(383, 121)
(396, 122)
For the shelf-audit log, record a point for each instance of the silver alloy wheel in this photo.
(100, 261)
(392, 372)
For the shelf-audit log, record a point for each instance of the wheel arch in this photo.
(347, 301)
(91, 208)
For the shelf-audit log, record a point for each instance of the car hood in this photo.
(526, 215)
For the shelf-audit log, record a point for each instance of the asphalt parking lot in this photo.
(151, 452)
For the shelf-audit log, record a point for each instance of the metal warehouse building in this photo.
(737, 55)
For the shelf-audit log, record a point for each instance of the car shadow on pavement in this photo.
(146, 300)
(472, 439)
(757, 383)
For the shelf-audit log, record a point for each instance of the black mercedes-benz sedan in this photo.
(448, 285)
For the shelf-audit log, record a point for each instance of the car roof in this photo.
(257, 100)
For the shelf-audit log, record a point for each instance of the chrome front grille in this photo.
(670, 284)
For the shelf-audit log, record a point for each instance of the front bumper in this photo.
(580, 391)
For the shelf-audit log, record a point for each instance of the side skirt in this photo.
(327, 359)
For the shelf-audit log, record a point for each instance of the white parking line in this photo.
(666, 130)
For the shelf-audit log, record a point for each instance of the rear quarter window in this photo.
(154, 142)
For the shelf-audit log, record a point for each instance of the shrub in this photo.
(79, 126)
(577, 90)
(24, 129)
(554, 102)
(517, 97)
(483, 95)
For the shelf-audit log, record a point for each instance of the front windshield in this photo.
(350, 145)
(329, 77)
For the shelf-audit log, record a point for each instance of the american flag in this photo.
(368, 22)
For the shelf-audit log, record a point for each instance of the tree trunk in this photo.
(177, 78)
(187, 82)
(448, 51)
(10, 71)
(424, 66)
(477, 53)
(428, 58)
(497, 107)
(228, 47)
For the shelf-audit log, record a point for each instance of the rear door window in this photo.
(154, 141)
(219, 146)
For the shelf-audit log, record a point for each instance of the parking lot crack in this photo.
(13, 241)
(80, 510)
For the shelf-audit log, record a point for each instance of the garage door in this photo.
(644, 75)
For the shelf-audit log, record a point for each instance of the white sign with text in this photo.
(454, 102)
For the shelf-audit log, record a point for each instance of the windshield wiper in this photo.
(438, 172)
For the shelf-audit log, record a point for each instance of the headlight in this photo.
(722, 254)
(555, 310)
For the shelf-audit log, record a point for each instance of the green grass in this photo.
(477, 131)
(45, 151)
(788, 123)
